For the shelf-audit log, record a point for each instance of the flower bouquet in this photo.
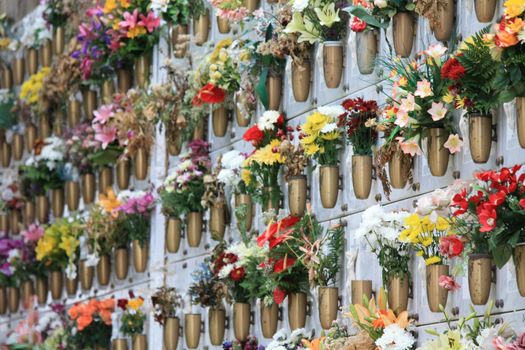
(295, 162)
(101, 226)
(214, 198)
(56, 14)
(230, 11)
(176, 13)
(245, 97)
(11, 204)
(58, 250)
(8, 119)
(182, 192)
(470, 73)
(489, 214)
(92, 324)
(381, 231)
(298, 339)
(322, 22)
(229, 264)
(320, 138)
(208, 291)
(132, 320)
(166, 301)
(133, 224)
(10, 273)
(418, 96)
(133, 31)
(261, 169)
(220, 79)
(357, 125)
(30, 93)
(44, 171)
(250, 343)
(382, 325)
(36, 35)
(432, 237)
(505, 42)
(370, 16)
(201, 20)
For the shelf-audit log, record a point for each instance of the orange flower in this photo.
(504, 39)
(109, 202)
(105, 315)
(74, 312)
(83, 322)
(107, 304)
(514, 26)
(314, 344)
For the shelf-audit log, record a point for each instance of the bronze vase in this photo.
(398, 290)
(479, 278)
(123, 173)
(329, 185)
(328, 306)
(71, 286)
(4, 223)
(88, 188)
(105, 179)
(223, 24)
(139, 342)
(140, 255)
(86, 274)
(44, 128)
(399, 169)
(5, 154)
(104, 270)
(220, 119)
(485, 10)
(403, 33)
(27, 290)
(173, 234)
(361, 289)
(107, 90)
(519, 263)
(297, 193)
(192, 330)
(438, 155)
(42, 289)
(141, 164)
(29, 213)
(13, 299)
(274, 87)
(436, 295)
(216, 325)
(171, 333)
(241, 321)
(89, 99)
(121, 263)
(194, 229)
(56, 281)
(201, 27)
(366, 51)
(480, 137)
(18, 67)
(7, 78)
(246, 201)
(42, 209)
(59, 39)
(15, 221)
(72, 195)
(269, 319)
(31, 135)
(362, 175)
(18, 146)
(46, 53)
(520, 120)
(57, 202)
(296, 310)
(301, 76)
(3, 300)
(32, 60)
(218, 221)
(74, 111)
(124, 80)
(445, 21)
(142, 70)
(333, 63)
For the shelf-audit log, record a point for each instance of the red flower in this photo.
(279, 295)
(277, 232)
(522, 203)
(448, 283)
(253, 135)
(459, 201)
(450, 246)
(209, 93)
(498, 198)
(452, 69)
(237, 274)
(358, 25)
(283, 264)
(122, 303)
(487, 217)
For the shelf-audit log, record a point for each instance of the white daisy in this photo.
(268, 119)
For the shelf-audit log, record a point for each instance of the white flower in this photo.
(7, 194)
(268, 119)
(228, 178)
(225, 271)
(13, 254)
(232, 160)
(298, 334)
(280, 334)
(329, 128)
(71, 271)
(331, 111)
(395, 338)
(92, 259)
(299, 5)
(381, 3)
(159, 6)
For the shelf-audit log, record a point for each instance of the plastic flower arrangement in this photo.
(471, 72)
(381, 231)
(233, 10)
(182, 191)
(368, 16)
(35, 29)
(165, 303)
(428, 235)
(490, 212)
(109, 134)
(206, 289)
(57, 12)
(261, 168)
(318, 21)
(101, 225)
(229, 265)
(44, 169)
(382, 325)
(505, 41)
(297, 340)
(473, 332)
(357, 124)
(218, 75)
(245, 96)
(134, 216)
(175, 12)
(230, 172)
(58, 248)
(10, 252)
(132, 29)
(32, 88)
(419, 101)
(321, 137)
(250, 343)
(26, 335)
(92, 324)
(133, 316)
(11, 197)
(80, 146)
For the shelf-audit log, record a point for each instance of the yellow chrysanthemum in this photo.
(442, 224)
(432, 260)
(30, 89)
(311, 149)
(246, 176)
(334, 135)
(125, 3)
(269, 154)
(135, 304)
(514, 8)
(307, 140)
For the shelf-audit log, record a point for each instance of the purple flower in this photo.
(5, 269)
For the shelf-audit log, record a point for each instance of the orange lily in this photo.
(109, 202)
(314, 344)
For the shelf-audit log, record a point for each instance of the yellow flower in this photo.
(4, 42)
(109, 202)
(246, 176)
(307, 140)
(135, 304)
(403, 81)
(310, 150)
(330, 136)
(109, 6)
(134, 32)
(220, 45)
(30, 90)
(69, 245)
(433, 260)
(448, 98)
(442, 224)
(125, 3)
(269, 154)
(514, 8)
(45, 246)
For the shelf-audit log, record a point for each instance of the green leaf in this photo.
(363, 15)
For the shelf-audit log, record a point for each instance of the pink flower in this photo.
(33, 233)
(104, 134)
(409, 147)
(454, 143)
(408, 104)
(423, 89)
(86, 67)
(151, 22)
(131, 20)
(402, 118)
(448, 283)
(103, 113)
(438, 111)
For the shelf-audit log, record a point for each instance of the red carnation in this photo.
(253, 135)
(452, 69)
(283, 264)
(209, 93)
(279, 295)
(237, 274)
(450, 246)
(358, 25)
